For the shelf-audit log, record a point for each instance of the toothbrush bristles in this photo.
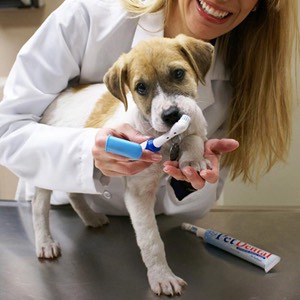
(186, 118)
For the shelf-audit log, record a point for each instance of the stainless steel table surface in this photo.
(105, 263)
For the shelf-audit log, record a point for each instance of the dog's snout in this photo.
(171, 115)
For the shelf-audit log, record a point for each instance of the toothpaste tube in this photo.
(234, 246)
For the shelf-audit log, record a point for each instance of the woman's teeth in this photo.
(213, 12)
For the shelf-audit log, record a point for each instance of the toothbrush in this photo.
(155, 144)
(134, 151)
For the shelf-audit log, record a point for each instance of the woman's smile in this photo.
(212, 13)
(206, 19)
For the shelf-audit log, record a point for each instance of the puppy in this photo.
(157, 83)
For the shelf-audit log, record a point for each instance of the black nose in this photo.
(171, 115)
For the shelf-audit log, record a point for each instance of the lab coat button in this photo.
(107, 194)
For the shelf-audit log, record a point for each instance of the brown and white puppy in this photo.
(157, 83)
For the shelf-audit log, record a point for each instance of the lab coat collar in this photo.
(149, 26)
(217, 72)
(152, 25)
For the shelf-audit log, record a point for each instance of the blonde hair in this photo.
(140, 7)
(259, 54)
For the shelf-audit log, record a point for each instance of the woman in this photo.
(247, 96)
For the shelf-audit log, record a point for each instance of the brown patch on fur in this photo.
(79, 87)
(103, 110)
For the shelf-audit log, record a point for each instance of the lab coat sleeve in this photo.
(48, 157)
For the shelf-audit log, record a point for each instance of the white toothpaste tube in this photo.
(234, 246)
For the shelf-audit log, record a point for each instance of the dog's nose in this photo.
(171, 115)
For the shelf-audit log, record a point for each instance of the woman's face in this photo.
(206, 19)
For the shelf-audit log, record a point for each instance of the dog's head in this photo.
(162, 75)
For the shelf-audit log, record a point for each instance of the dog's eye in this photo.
(178, 74)
(141, 89)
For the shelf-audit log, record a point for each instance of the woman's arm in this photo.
(41, 154)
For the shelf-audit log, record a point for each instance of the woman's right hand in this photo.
(115, 165)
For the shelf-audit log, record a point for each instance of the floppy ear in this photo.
(115, 80)
(199, 54)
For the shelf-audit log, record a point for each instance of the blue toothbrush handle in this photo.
(150, 146)
(123, 147)
(127, 148)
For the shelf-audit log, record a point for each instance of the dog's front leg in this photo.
(192, 153)
(140, 199)
(45, 245)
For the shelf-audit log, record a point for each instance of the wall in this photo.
(16, 26)
(280, 187)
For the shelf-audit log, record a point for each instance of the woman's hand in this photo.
(115, 165)
(213, 150)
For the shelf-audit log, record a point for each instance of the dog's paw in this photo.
(205, 164)
(94, 219)
(166, 283)
(48, 249)
(196, 164)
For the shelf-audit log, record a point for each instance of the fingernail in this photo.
(156, 157)
(203, 173)
(166, 169)
(187, 172)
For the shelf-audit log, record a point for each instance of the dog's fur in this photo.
(158, 94)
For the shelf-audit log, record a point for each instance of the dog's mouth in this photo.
(164, 121)
(159, 127)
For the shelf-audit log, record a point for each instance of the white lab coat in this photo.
(78, 43)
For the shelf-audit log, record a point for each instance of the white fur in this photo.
(140, 192)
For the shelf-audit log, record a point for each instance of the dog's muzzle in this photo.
(171, 115)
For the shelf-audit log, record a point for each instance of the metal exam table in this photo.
(105, 263)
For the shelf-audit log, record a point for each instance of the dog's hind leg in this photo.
(141, 209)
(87, 215)
(45, 245)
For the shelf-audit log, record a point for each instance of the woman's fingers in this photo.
(213, 150)
(111, 164)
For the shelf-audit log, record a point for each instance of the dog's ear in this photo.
(199, 54)
(116, 79)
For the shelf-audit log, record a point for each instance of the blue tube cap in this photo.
(123, 147)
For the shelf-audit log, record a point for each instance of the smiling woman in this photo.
(256, 40)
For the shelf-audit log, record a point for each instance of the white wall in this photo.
(16, 26)
(280, 187)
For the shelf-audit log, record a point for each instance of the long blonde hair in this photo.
(259, 54)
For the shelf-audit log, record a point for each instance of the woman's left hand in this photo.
(213, 150)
